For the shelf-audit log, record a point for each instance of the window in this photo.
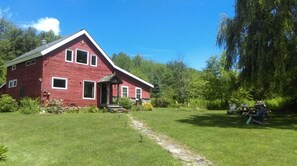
(13, 67)
(138, 93)
(82, 57)
(31, 62)
(93, 60)
(69, 56)
(59, 83)
(89, 90)
(125, 91)
(12, 83)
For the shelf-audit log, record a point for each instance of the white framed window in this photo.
(89, 88)
(13, 67)
(94, 60)
(68, 55)
(31, 62)
(138, 93)
(59, 83)
(12, 83)
(82, 57)
(125, 91)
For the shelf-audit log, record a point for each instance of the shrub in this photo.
(214, 105)
(161, 102)
(71, 110)
(125, 103)
(55, 106)
(7, 103)
(198, 103)
(3, 151)
(91, 109)
(148, 106)
(137, 108)
(277, 103)
(29, 106)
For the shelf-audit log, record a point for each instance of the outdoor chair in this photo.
(232, 109)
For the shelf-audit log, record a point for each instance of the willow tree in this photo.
(261, 41)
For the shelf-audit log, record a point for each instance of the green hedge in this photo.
(7, 103)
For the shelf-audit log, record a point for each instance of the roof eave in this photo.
(17, 61)
(133, 76)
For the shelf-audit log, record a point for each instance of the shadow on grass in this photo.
(220, 120)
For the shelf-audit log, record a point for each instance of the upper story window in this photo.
(59, 83)
(138, 93)
(12, 83)
(13, 67)
(31, 62)
(94, 60)
(69, 55)
(82, 57)
(125, 91)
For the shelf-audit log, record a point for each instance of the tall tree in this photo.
(122, 60)
(261, 42)
(178, 80)
(219, 83)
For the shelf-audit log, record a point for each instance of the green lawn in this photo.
(77, 139)
(227, 140)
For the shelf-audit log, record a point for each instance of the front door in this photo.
(104, 93)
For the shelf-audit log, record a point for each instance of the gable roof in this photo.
(44, 49)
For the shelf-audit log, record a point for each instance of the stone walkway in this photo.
(179, 152)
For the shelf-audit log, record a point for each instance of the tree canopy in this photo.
(15, 41)
(261, 42)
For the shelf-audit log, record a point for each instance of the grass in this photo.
(76, 139)
(227, 140)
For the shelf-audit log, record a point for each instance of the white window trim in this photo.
(12, 83)
(127, 91)
(66, 55)
(95, 60)
(13, 67)
(136, 92)
(87, 57)
(83, 90)
(60, 78)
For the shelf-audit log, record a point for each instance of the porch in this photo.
(105, 98)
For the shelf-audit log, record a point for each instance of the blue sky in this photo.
(159, 30)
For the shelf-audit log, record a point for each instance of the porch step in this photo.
(115, 108)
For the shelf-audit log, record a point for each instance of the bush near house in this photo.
(148, 106)
(54, 106)
(126, 103)
(29, 106)
(7, 103)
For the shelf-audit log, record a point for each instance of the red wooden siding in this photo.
(55, 66)
(28, 80)
(132, 84)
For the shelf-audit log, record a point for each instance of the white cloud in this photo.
(46, 24)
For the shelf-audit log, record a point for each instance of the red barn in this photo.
(74, 69)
